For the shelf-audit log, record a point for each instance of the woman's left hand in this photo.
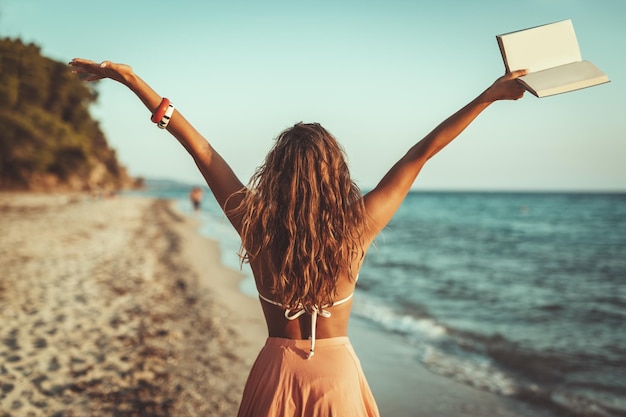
(506, 87)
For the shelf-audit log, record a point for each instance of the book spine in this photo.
(503, 53)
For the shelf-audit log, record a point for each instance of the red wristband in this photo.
(160, 111)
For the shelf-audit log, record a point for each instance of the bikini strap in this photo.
(292, 314)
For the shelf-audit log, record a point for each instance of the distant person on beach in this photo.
(305, 229)
(195, 196)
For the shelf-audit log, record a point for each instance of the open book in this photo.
(552, 57)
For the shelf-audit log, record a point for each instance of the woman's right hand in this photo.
(96, 71)
(223, 182)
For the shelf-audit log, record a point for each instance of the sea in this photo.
(516, 293)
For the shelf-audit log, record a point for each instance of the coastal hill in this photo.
(48, 140)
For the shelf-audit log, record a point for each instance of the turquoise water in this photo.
(519, 294)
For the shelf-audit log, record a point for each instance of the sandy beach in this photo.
(104, 312)
(118, 307)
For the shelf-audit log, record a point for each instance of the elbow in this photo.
(418, 155)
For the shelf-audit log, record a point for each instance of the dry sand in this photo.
(103, 313)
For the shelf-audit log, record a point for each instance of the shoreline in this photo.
(403, 387)
(122, 306)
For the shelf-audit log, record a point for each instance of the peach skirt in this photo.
(282, 382)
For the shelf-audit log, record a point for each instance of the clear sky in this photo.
(379, 75)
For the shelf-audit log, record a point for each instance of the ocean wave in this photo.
(589, 403)
(495, 364)
(437, 347)
(376, 311)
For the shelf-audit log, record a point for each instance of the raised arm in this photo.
(219, 176)
(382, 202)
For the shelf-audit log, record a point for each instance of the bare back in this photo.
(278, 325)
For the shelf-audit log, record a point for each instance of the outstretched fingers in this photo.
(97, 71)
(85, 67)
(81, 61)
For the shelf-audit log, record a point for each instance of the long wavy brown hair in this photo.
(305, 215)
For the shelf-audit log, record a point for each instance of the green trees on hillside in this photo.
(48, 138)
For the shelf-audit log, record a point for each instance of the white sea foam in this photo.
(383, 315)
(475, 371)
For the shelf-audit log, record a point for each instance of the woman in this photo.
(305, 229)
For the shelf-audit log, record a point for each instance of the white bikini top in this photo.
(292, 314)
